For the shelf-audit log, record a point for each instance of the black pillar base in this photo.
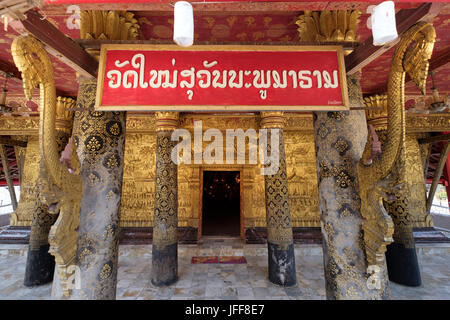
(282, 265)
(40, 267)
(165, 265)
(402, 265)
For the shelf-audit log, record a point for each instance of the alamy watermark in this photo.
(234, 151)
(74, 280)
(73, 22)
(374, 280)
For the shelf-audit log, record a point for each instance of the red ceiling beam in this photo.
(440, 60)
(10, 69)
(405, 18)
(62, 47)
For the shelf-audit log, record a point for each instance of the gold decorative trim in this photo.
(438, 122)
(111, 25)
(166, 121)
(64, 117)
(377, 115)
(328, 25)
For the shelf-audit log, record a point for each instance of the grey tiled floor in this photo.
(222, 281)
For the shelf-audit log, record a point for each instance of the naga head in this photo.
(32, 61)
(417, 44)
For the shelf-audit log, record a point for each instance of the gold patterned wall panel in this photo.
(138, 189)
(188, 188)
(302, 178)
(255, 216)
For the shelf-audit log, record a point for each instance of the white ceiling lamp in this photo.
(183, 24)
(382, 23)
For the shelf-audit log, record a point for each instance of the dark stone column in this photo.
(279, 228)
(99, 138)
(165, 221)
(340, 139)
(40, 263)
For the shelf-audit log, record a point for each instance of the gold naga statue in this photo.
(382, 177)
(59, 189)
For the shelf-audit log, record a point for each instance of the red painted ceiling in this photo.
(244, 27)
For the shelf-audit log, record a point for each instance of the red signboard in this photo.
(221, 78)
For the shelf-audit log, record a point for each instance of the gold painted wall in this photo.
(138, 190)
(302, 178)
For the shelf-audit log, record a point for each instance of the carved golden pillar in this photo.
(401, 256)
(165, 221)
(40, 263)
(279, 228)
(340, 138)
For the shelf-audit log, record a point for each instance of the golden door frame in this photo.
(241, 196)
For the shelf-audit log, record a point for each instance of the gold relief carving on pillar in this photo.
(302, 179)
(279, 224)
(166, 193)
(328, 25)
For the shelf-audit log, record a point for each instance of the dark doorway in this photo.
(221, 203)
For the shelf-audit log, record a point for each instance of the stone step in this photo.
(423, 250)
